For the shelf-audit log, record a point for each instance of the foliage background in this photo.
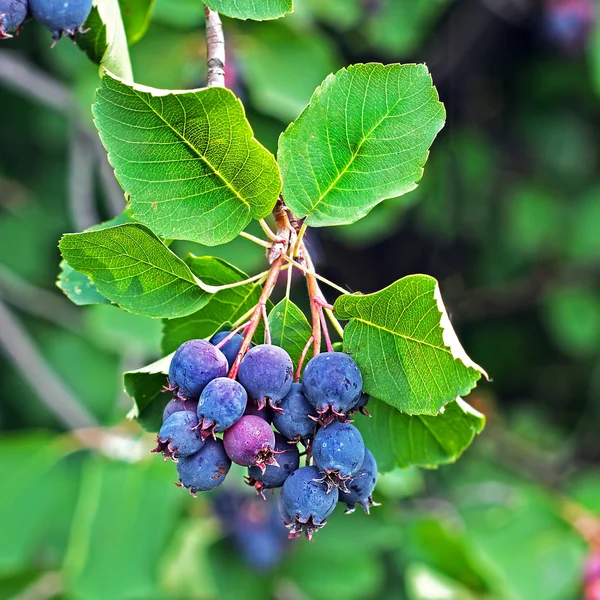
(506, 217)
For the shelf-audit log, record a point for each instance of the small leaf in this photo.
(224, 306)
(134, 269)
(363, 138)
(405, 346)
(136, 18)
(78, 287)
(258, 10)
(400, 440)
(289, 328)
(187, 160)
(93, 43)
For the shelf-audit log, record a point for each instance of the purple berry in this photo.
(12, 15)
(204, 470)
(339, 451)
(194, 365)
(179, 435)
(265, 413)
(250, 441)
(295, 422)
(230, 348)
(332, 384)
(61, 17)
(288, 458)
(267, 373)
(222, 403)
(361, 486)
(177, 405)
(306, 502)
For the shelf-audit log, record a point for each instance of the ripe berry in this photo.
(361, 486)
(61, 17)
(265, 413)
(332, 384)
(177, 405)
(204, 470)
(266, 372)
(306, 502)
(339, 451)
(288, 458)
(295, 422)
(230, 348)
(12, 15)
(360, 406)
(222, 403)
(250, 441)
(179, 435)
(194, 364)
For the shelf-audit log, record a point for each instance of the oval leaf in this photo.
(187, 160)
(258, 10)
(363, 138)
(405, 346)
(134, 269)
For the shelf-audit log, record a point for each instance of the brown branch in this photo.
(215, 49)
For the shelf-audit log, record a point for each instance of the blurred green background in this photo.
(507, 217)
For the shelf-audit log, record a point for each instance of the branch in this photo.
(215, 49)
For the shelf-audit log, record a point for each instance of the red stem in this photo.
(325, 330)
(230, 335)
(311, 339)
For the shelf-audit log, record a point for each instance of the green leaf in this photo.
(134, 269)
(136, 18)
(400, 440)
(424, 583)
(224, 306)
(258, 10)
(201, 176)
(403, 342)
(363, 138)
(289, 328)
(93, 43)
(78, 287)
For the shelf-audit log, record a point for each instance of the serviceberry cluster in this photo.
(60, 17)
(263, 415)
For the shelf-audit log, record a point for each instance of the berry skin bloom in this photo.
(204, 470)
(249, 442)
(194, 365)
(222, 403)
(179, 435)
(267, 374)
(61, 17)
(230, 348)
(361, 486)
(295, 422)
(12, 15)
(176, 405)
(305, 502)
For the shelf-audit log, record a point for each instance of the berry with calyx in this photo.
(204, 470)
(177, 405)
(288, 458)
(61, 17)
(306, 502)
(12, 15)
(251, 441)
(332, 384)
(265, 413)
(360, 406)
(267, 373)
(179, 435)
(222, 403)
(338, 450)
(298, 419)
(194, 365)
(361, 486)
(230, 348)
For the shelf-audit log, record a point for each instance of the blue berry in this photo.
(12, 15)
(179, 435)
(361, 486)
(231, 348)
(61, 17)
(339, 451)
(295, 421)
(266, 372)
(250, 441)
(222, 403)
(288, 458)
(194, 365)
(177, 405)
(306, 501)
(360, 405)
(332, 383)
(206, 469)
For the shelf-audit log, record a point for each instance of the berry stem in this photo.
(215, 49)
(213, 289)
(230, 335)
(268, 231)
(306, 270)
(325, 330)
(256, 240)
(311, 339)
(266, 321)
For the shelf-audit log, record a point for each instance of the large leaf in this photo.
(258, 10)
(405, 346)
(363, 138)
(224, 306)
(136, 17)
(134, 269)
(400, 440)
(289, 328)
(187, 160)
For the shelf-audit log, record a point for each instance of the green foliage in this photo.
(258, 10)
(78, 287)
(289, 328)
(363, 138)
(406, 348)
(198, 147)
(400, 440)
(136, 18)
